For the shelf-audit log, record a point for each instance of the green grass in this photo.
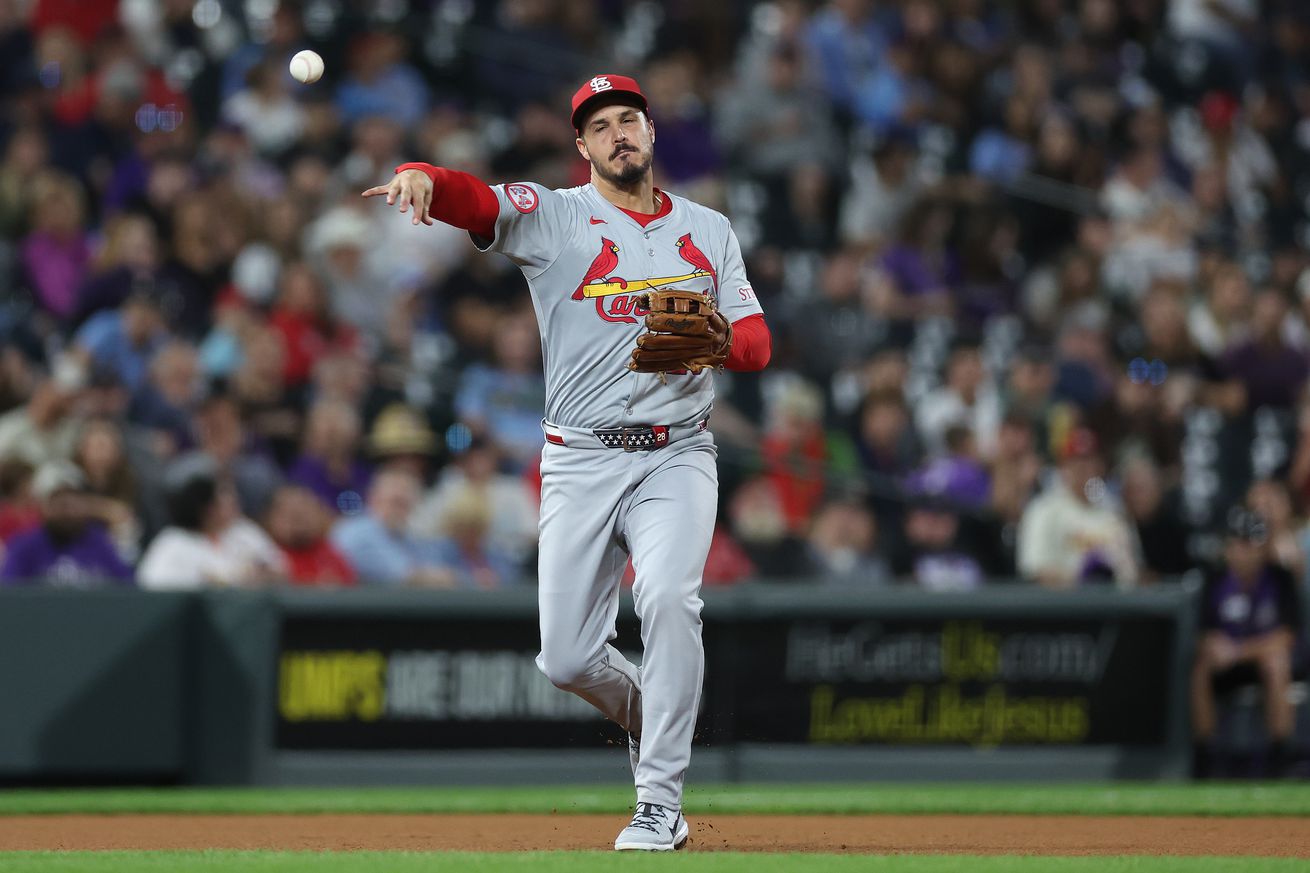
(1234, 799)
(607, 862)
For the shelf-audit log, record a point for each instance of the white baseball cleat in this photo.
(654, 828)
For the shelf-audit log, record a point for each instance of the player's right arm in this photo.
(458, 199)
(528, 223)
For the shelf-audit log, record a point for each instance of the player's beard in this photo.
(629, 172)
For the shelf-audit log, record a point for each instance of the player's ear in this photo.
(650, 125)
(582, 148)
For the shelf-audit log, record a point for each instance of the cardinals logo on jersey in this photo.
(599, 274)
(616, 298)
(688, 252)
(600, 268)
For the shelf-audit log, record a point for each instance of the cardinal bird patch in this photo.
(601, 267)
(694, 256)
(619, 300)
(522, 196)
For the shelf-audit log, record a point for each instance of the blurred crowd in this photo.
(1036, 271)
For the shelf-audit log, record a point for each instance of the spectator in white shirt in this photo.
(43, 430)
(208, 543)
(1137, 189)
(969, 399)
(268, 115)
(886, 183)
(1219, 319)
(1073, 533)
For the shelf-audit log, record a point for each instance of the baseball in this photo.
(307, 66)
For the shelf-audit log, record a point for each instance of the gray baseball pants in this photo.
(598, 506)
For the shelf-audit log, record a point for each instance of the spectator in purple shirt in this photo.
(957, 474)
(689, 153)
(1272, 372)
(128, 262)
(932, 552)
(56, 254)
(329, 464)
(923, 266)
(67, 549)
(1250, 619)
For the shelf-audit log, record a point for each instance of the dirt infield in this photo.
(947, 834)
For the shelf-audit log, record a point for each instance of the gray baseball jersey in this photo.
(587, 262)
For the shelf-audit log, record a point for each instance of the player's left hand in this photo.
(684, 331)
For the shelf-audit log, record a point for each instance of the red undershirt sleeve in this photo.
(460, 200)
(752, 345)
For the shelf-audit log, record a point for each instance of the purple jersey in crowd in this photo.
(35, 558)
(341, 496)
(1242, 613)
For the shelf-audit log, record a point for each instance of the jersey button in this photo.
(650, 252)
(628, 411)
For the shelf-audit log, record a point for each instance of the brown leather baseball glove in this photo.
(684, 330)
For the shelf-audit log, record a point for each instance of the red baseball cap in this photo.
(1080, 443)
(1218, 109)
(605, 88)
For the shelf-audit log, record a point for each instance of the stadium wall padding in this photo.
(94, 685)
(367, 685)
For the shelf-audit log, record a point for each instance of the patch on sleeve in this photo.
(522, 196)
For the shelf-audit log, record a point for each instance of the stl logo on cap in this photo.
(605, 87)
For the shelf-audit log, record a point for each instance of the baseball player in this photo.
(640, 296)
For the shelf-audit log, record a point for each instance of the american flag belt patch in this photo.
(633, 439)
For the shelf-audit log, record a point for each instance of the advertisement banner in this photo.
(394, 683)
(431, 684)
(957, 682)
